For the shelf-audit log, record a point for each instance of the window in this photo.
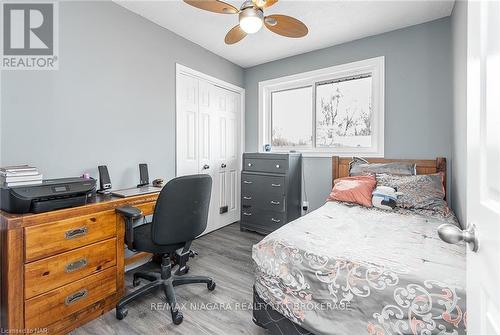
(288, 118)
(338, 110)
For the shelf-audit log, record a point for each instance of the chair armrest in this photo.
(131, 215)
(130, 212)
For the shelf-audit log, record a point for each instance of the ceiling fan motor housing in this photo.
(247, 4)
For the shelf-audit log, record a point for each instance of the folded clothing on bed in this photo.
(425, 191)
(354, 270)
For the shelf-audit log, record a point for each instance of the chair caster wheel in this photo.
(177, 317)
(136, 282)
(121, 313)
(183, 271)
(211, 286)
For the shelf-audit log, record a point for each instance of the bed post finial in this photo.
(441, 164)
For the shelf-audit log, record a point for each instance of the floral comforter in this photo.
(352, 270)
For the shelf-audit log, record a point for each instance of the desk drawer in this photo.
(53, 238)
(52, 306)
(56, 271)
(147, 208)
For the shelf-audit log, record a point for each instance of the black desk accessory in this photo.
(50, 195)
(104, 180)
(143, 175)
(158, 182)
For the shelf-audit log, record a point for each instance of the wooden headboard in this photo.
(340, 165)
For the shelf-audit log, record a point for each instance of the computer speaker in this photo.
(143, 175)
(104, 180)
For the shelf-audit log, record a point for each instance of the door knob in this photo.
(206, 167)
(223, 165)
(453, 234)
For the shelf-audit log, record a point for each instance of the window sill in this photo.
(323, 154)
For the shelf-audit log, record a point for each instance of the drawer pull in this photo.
(275, 202)
(247, 182)
(276, 185)
(76, 265)
(247, 198)
(277, 166)
(275, 220)
(247, 214)
(71, 299)
(249, 164)
(74, 233)
(93, 219)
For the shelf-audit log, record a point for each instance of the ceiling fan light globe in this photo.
(251, 25)
(251, 20)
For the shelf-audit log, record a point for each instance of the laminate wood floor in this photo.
(224, 255)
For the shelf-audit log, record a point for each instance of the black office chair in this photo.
(180, 215)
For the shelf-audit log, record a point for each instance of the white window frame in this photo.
(374, 66)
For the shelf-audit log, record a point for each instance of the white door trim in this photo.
(182, 69)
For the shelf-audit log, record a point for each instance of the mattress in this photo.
(346, 269)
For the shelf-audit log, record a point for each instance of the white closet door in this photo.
(208, 141)
(187, 154)
(229, 156)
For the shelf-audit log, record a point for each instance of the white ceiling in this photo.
(330, 23)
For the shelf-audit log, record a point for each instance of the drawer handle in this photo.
(76, 265)
(93, 219)
(247, 182)
(74, 233)
(275, 220)
(247, 214)
(250, 164)
(276, 185)
(247, 198)
(275, 202)
(71, 299)
(277, 166)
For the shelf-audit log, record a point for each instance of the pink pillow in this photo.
(356, 189)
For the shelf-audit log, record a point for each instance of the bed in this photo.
(348, 269)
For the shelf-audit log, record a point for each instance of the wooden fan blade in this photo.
(215, 6)
(286, 26)
(235, 35)
(264, 3)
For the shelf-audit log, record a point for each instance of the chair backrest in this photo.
(181, 211)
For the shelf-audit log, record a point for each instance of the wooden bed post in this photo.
(441, 167)
(335, 168)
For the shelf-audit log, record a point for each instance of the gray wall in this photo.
(418, 94)
(113, 99)
(111, 102)
(459, 150)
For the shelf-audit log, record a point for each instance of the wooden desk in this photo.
(63, 268)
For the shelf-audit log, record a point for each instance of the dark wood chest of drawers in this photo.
(270, 190)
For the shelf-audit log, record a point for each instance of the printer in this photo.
(50, 195)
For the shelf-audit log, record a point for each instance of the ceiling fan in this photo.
(251, 18)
